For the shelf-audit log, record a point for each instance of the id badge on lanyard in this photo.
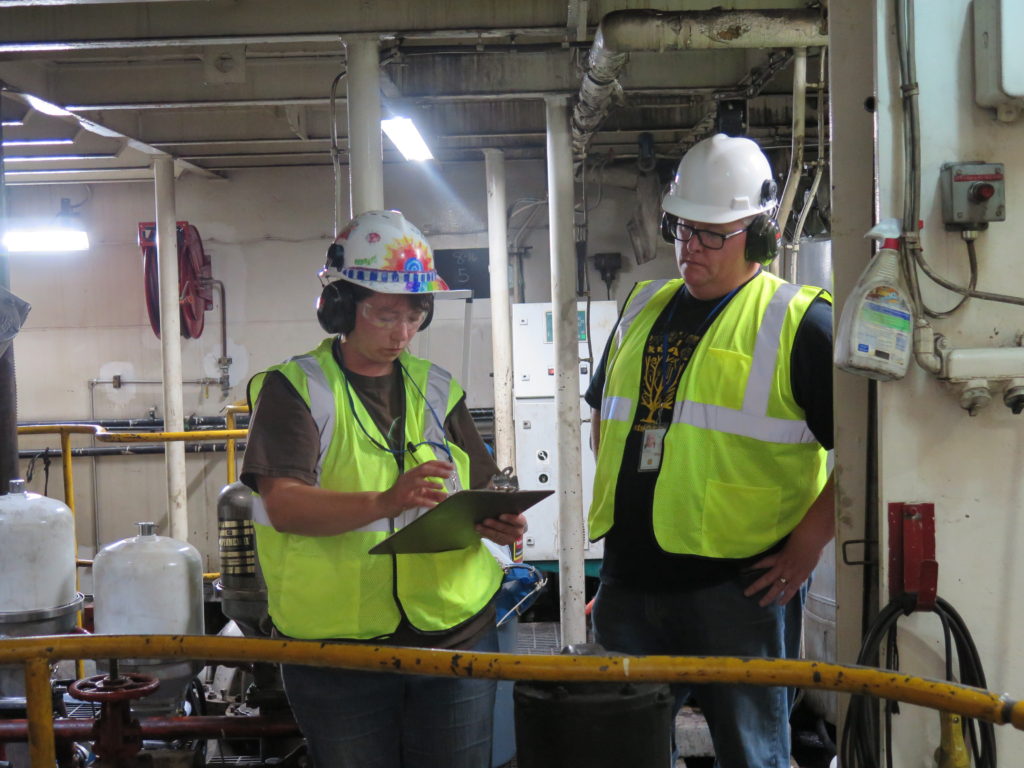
(651, 450)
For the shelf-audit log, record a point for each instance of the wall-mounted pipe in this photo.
(223, 362)
(796, 157)
(622, 32)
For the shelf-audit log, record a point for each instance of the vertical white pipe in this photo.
(365, 154)
(501, 308)
(170, 344)
(567, 376)
(796, 162)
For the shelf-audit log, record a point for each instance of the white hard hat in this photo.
(721, 179)
(382, 251)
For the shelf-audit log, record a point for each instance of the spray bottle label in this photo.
(883, 330)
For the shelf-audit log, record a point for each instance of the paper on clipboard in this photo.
(450, 525)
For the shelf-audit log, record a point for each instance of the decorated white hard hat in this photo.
(382, 251)
(721, 179)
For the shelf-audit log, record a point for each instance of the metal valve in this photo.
(1013, 397)
(975, 396)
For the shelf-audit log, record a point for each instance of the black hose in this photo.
(860, 745)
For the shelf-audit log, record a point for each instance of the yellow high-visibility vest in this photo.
(321, 587)
(739, 467)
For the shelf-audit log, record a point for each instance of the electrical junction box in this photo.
(973, 194)
(999, 56)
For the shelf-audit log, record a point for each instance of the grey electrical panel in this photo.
(973, 194)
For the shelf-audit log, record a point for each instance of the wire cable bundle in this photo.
(860, 743)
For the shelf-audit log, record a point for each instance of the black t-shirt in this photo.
(632, 556)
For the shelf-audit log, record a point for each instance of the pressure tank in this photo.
(37, 589)
(151, 585)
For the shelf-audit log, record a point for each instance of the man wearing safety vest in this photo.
(348, 443)
(712, 416)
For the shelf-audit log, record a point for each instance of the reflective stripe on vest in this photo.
(752, 420)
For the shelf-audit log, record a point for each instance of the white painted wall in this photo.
(267, 232)
(931, 450)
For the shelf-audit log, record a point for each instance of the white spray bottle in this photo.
(875, 337)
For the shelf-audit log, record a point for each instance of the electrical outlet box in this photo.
(999, 56)
(973, 194)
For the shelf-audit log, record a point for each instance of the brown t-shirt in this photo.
(283, 441)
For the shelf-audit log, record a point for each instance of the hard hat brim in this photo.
(708, 214)
(394, 281)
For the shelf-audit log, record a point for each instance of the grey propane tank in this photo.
(37, 591)
(151, 585)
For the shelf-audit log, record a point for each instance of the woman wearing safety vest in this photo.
(348, 443)
(713, 410)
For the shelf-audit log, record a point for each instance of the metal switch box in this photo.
(973, 194)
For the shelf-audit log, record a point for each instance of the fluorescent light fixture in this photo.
(39, 105)
(63, 236)
(37, 142)
(402, 132)
(12, 123)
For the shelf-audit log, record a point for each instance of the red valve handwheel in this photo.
(130, 685)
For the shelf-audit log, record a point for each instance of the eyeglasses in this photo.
(713, 241)
(387, 318)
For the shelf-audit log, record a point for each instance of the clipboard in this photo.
(450, 525)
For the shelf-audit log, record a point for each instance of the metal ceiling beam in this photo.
(60, 113)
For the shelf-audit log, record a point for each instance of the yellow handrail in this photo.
(37, 652)
(229, 421)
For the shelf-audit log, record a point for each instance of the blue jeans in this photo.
(749, 724)
(355, 719)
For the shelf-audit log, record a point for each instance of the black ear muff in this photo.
(764, 238)
(668, 227)
(335, 309)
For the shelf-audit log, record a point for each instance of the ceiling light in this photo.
(66, 234)
(402, 132)
(46, 107)
(36, 142)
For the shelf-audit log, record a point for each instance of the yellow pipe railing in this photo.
(229, 421)
(36, 653)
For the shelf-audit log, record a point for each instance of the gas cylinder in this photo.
(151, 585)
(37, 590)
(37, 548)
(242, 590)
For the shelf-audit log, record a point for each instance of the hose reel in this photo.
(195, 290)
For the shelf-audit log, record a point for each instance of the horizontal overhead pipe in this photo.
(624, 32)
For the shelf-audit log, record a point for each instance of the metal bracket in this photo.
(913, 568)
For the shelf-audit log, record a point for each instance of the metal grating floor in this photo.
(538, 637)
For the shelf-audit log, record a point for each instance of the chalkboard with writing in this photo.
(464, 268)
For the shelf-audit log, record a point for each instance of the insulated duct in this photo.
(622, 32)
